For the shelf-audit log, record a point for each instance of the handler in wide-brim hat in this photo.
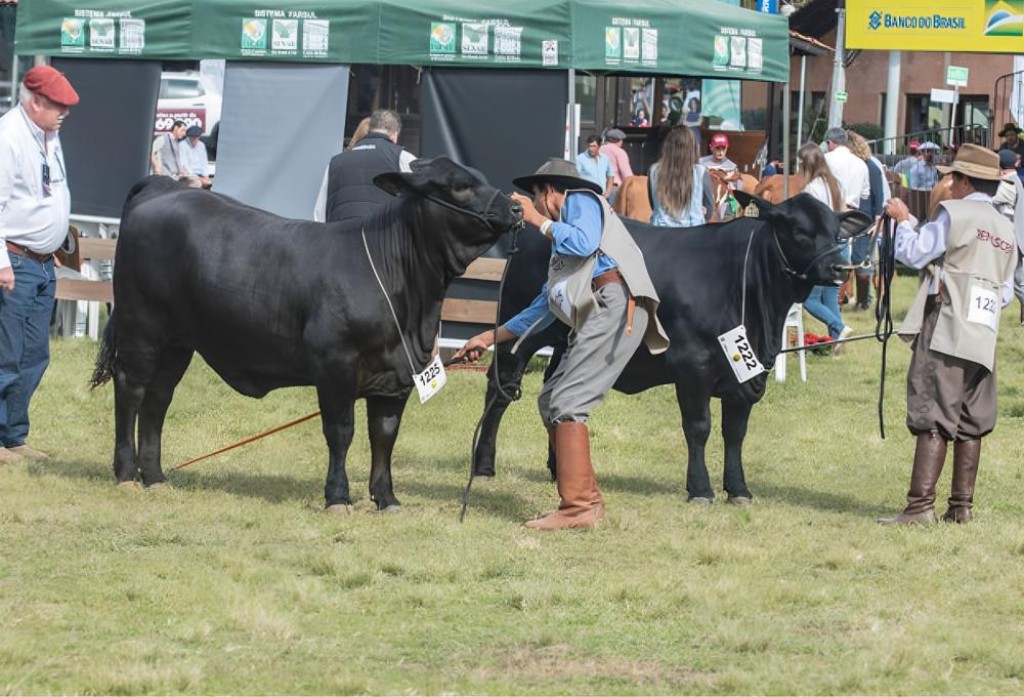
(966, 254)
(597, 285)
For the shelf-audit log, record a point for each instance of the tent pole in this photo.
(572, 115)
(786, 126)
(800, 106)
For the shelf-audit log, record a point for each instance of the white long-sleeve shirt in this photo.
(32, 215)
(852, 173)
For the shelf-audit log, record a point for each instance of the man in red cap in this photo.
(722, 169)
(35, 206)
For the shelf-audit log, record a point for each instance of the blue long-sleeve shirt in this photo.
(577, 234)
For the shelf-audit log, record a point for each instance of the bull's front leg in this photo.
(695, 407)
(735, 416)
(338, 416)
(384, 416)
(504, 379)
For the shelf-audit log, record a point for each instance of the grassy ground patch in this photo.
(235, 581)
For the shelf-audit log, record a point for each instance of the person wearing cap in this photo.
(616, 154)
(903, 166)
(1010, 133)
(347, 191)
(35, 208)
(719, 157)
(597, 285)
(194, 159)
(594, 165)
(966, 254)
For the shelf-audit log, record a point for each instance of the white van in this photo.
(185, 97)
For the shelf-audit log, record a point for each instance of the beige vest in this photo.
(570, 296)
(981, 254)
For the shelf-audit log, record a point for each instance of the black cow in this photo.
(270, 302)
(700, 274)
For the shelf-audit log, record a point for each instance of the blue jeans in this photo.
(25, 316)
(823, 304)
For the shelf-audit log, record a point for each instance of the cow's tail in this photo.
(104, 369)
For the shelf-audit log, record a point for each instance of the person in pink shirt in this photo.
(616, 154)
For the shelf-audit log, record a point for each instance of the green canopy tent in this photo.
(663, 37)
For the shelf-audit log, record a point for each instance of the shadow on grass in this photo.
(821, 500)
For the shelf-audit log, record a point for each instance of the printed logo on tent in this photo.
(549, 52)
(285, 35)
(316, 35)
(101, 33)
(1004, 18)
(474, 39)
(613, 42)
(442, 37)
(133, 35)
(254, 33)
(72, 32)
(721, 56)
(649, 41)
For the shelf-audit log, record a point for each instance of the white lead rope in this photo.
(388, 299)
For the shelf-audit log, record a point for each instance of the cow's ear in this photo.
(747, 200)
(393, 183)
(853, 224)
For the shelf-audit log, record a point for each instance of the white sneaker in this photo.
(846, 333)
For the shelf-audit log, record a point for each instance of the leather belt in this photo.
(615, 276)
(18, 249)
(609, 276)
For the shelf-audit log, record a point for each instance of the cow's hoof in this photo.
(741, 500)
(130, 485)
(700, 500)
(392, 509)
(339, 509)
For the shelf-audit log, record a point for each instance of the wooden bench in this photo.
(78, 281)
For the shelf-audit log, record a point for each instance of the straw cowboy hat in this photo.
(1009, 127)
(559, 172)
(975, 161)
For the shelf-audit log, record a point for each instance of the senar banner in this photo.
(976, 26)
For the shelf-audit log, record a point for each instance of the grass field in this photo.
(235, 581)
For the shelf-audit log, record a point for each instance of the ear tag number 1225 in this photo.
(431, 380)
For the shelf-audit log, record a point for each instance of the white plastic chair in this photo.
(794, 320)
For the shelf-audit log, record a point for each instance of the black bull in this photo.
(270, 303)
(700, 274)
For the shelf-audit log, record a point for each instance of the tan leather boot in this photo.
(966, 454)
(581, 504)
(928, 460)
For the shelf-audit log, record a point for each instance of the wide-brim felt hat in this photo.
(559, 172)
(975, 161)
(1009, 127)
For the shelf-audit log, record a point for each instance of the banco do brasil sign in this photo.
(993, 26)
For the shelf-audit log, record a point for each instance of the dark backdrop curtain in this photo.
(505, 123)
(108, 136)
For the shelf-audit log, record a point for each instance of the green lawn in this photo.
(235, 581)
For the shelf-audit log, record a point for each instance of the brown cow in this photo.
(770, 188)
(632, 199)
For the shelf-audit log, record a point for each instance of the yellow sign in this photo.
(975, 26)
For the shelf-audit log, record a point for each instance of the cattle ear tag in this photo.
(431, 380)
(740, 354)
(752, 211)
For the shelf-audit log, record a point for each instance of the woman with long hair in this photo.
(823, 302)
(677, 183)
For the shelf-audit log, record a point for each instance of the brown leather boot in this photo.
(863, 294)
(928, 460)
(581, 504)
(966, 454)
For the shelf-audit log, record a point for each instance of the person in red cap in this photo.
(35, 207)
(719, 158)
(725, 170)
(904, 166)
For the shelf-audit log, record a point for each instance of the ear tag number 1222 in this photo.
(740, 354)
(431, 380)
